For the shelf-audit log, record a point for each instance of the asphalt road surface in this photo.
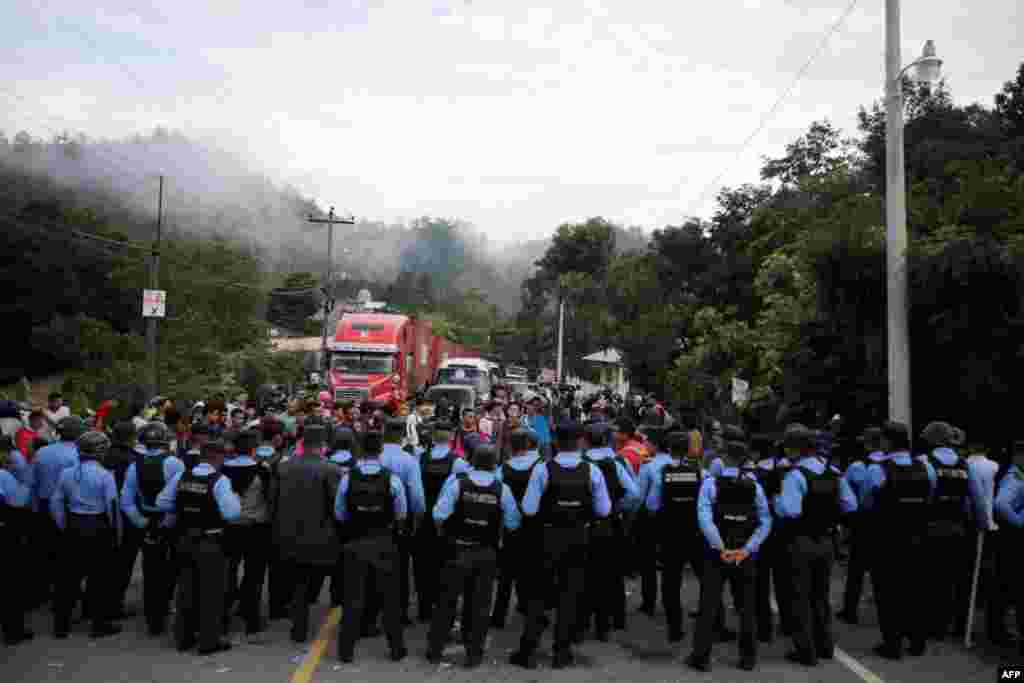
(641, 653)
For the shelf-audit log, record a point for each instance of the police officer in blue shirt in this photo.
(1008, 510)
(84, 507)
(343, 447)
(860, 527)
(470, 514)
(46, 470)
(407, 467)
(370, 503)
(144, 481)
(517, 552)
(567, 494)
(813, 498)
(900, 490)
(733, 514)
(647, 532)
(672, 504)
(203, 503)
(605, 598)
(14, 526)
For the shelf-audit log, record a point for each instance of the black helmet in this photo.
(70, 428)
(485, 456)
(93, 445)
(519, 440)
(124, 433)
(154, 434)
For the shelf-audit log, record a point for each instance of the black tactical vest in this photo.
(735, 510)
(611, 479)
(370, 508)
(195, 503)
(771, 479)
(477, 516)
(820, 505)
(241, 477)
(149, 475)
(518, 480)
(680, 488)
(904, 498)
(951, 490)
(568, 501)
(435, 474)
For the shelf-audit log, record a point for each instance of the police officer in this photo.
(1009, 512)
(647, 532)
(84, 508)
(672, 505)
(516, 554)
(370, 502)
(119, 459)
(774, 574)
(270, 454)
(14, 527)
(860, 527)
(900, 491)
(813, 498)
(733, 515)
(199, 436)
(144, 480)
(203, 503)
(343, 446)
(247, 539)
(605, 588)
(437, 465)
(567, 494)
(47, 467)
(470, 514)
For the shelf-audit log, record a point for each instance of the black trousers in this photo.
(406, 546)
(427, 568)
(202, 574)
(87, 548)
(678, 551)
(811, 560)
(563, 558)
(742, 579)
(15, 602)
(159, 573)
(247, 546)
(857, 566)
(599, 601)
(647, 558)
(904, 606)
(469, 572)
(514, 572)
(307, 581)
(369, 558)
(998, 579)
(124, 562)
(47, 552)
(950, 570)
(279, 586)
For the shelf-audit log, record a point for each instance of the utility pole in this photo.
(561, 335)
(154, 283)
(330, 221)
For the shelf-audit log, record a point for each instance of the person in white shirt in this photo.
(412, 421)
(55, 411)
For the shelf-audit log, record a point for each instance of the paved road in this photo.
(639, 654)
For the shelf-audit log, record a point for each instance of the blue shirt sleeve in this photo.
(57, 501)
(599, 491)
(764, 522)
(401, 506)
(653, 499)
(977, 497)
(340, 509)
(227, 500)
(847, 498)
(535, 490)
(414, 485)
(643, 480)
(789, 503)
(705, 514)
(509, 509)
(166, 499)
(855, 477)
(875, 479)
(14, 493)
(1008, 500)
(445, 505)
(128, 498)
(631, 493)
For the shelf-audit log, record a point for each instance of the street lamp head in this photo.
(929, 66)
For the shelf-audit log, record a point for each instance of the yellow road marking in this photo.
(856, 667)
(304, 674)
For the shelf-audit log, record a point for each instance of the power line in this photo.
(778, 103)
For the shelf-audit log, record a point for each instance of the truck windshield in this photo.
(362, 363)
(459, 375)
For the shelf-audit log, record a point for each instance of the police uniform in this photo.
(860, 535)
(370, 502)
(203, 503)
(812, 499)
(145, 478)
(520, 545)
(342, 457)
(84, 508)
(471, 512)
(436, 465)
(899, 492)
(566, 494)
(1009, 511)
(733, 514)
(47, 467)
(119, 459)
(773, 573)
(648, 538)
(14, 525)
(672, 505)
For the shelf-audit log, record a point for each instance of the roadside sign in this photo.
(154, 303)
(740, 390)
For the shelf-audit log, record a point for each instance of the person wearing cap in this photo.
(270, 454)
(734, 518)
(604, 600)
(146, 477)
(516, 554)
(470, 514)
(304, 531)
(118, 460)
(812, 500)
(646, 531)
(370, 503)
(437, 466)
(202, 502)
(15, 535)
(342, 448)
(247, 539)
(84, 508)
(47, 467)
(199, 436)
(671, 503)
(900, 491)
(959, 504)
(567, 494)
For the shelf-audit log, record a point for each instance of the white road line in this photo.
(856, 667)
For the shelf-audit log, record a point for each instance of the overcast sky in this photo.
(511, 117)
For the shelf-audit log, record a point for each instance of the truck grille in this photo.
(354, 395)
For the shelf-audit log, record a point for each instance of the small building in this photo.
(611, 371)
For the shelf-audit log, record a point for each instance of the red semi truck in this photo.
(385, 358)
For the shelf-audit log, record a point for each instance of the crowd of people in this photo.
(556, 498)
